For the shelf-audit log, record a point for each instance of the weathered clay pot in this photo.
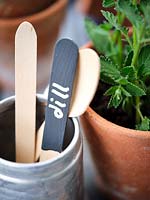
(121, 156)
(17, 8)
(92, 8)
(47, 25)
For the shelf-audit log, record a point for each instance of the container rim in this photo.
(47, 162)
(41, 15)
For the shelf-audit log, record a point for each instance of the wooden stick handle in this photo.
(25, 89)
(39, 153)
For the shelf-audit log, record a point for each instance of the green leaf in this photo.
(116, 98)
(118, 94)
(144, 56)
(144, 70)
(107, 79)
(128, 59)
(131, 11)
(125, 92)
(111, 91)
(122, 81)
(108, 3)
(129, 73)
(109, 69)
(124, 30)
(147, 33)
(127, 51)
(134, 90)
(144, 61)
(127, 105)
(112, 19)
(126, 71)
(99, 36)
(145, 124)
(145, 7)
(143, 85)
(106, 26)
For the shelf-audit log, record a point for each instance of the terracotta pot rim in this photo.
(52, 9)
(90, 113)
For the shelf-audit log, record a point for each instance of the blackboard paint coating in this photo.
(62, 77)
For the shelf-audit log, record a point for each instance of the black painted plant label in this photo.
(60, 91)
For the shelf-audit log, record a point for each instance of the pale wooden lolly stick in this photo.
(86, 81)
(25, 89)
(85, 84)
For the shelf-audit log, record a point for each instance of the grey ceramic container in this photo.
(58, 179)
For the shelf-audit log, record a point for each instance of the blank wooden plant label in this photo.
(25, 89)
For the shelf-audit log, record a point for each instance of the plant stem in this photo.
(120, 49)
(138, 112)
(136, 53)
(137, 45)
(128, 40)
(112, 48)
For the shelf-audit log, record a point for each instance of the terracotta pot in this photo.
(121, 156)
(17, 8)
(47, 25)
(92, 8)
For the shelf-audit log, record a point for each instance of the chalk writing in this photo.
(58, 91)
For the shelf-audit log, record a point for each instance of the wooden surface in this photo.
(47, 155)
(86, 81)
(25, 89)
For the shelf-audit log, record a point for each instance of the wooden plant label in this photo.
(25, 89)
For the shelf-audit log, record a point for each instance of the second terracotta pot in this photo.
(92, 8)
(47, 24)
(17, 8)
(121, 157)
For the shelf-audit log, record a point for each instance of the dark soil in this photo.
(117, 116)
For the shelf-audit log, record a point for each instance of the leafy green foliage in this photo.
(112, 19)
(129, 72)
(131, 12)
(128, 58)
(144, 61)
(144, 125)
(125, 60)
(108, 3)
(134, 90)
(99, 34)
(145, 8)
(109, 69)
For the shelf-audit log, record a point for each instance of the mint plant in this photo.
(124, 57)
